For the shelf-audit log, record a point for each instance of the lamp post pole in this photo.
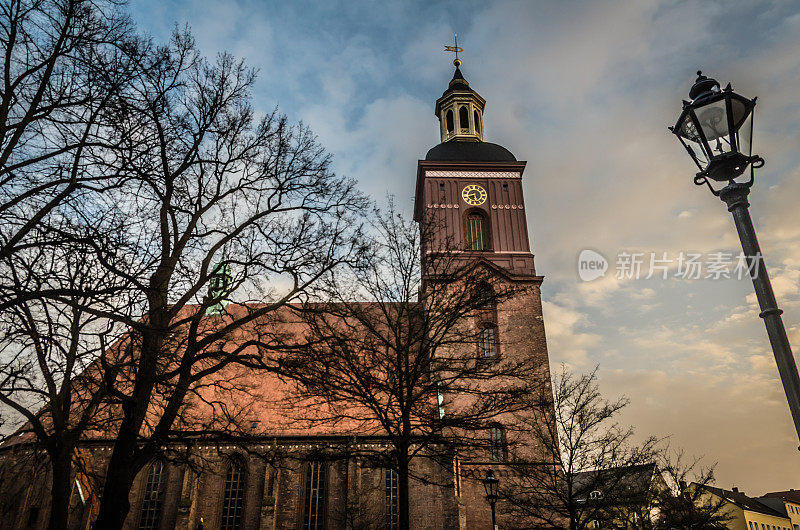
(716, 128)
(735, 196)
(491, 483)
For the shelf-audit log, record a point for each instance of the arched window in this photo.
(477, 123)
(315, 496)
(463, 118)
(487, 341)
(497, 443)
(476, 232)
(153, 500)
(449, 121)
(485, 296)
(233, 499)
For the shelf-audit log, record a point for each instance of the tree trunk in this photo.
(125, 459)
(114, 503)
(402, 483)
(61, 462)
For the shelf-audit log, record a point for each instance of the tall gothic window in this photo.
(477, 123)
(315, 495)
(272, 476)
(392, 499)
(497, 443)
(233, 499)
(449, 121)
(463, 118)
(150, 517)
(487, 342)
(476, 232)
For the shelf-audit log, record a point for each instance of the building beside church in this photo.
(473, 189)
(785, 502)
(750, 513)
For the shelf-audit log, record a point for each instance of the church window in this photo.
(477, 123)
(476, 232)
(150, 516)
(497, 443)
(449, 121)
(271, 476)
(392, 499)
(487, 342)
(233, 500)
(485, 296)
(315, 493)
(463, 118)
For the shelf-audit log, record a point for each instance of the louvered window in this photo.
(150, 517)
(315, 495)
(476, 232)
(233, 500)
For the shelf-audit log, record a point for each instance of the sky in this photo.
(583, 91)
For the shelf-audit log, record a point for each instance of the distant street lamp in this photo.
(490, 484)
(716, 128)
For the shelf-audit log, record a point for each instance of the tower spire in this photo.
(460, 109)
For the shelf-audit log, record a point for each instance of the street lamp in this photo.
(490, 484)
(716, 128)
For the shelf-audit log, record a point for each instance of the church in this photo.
(473, 189)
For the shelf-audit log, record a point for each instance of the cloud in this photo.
(566, 342)
(583, 92)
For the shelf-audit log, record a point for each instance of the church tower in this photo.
(470, 204)
(471, 190)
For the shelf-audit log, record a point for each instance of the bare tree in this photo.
(392, 353)
(50, 375)
(213, 195)
(63, 64)
(141, 175)
(685, 502)
(584, 467)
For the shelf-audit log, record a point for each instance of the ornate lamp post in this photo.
(716, 128)
(490, 484)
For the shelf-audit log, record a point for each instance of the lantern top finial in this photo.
(703, 86)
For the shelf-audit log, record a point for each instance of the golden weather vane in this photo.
(456, 49)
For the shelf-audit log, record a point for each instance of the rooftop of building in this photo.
(470, 151)
(791, 495)
(743, 501)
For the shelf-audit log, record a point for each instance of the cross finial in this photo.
(457, 61)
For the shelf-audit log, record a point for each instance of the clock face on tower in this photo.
(473, 195)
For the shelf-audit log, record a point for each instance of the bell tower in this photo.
(471, 190)
(460, 111)
(470, 207)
